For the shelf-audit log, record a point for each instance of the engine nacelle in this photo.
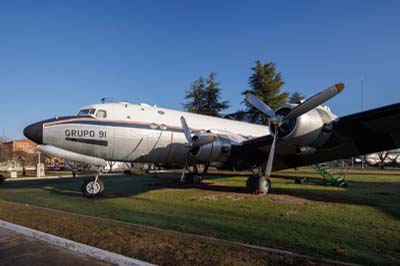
(216, 151)
(307, 131)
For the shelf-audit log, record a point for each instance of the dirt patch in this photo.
(292, 212)
(286, 199)
(221, 196)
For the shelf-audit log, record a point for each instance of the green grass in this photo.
(360, 223)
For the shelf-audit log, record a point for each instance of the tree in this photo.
(265, 83)
(382, 157)
(296, 97)
(393, 160)
(2, 152)
(24, 159)
(204, 97)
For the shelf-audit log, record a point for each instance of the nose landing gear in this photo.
(93, 186)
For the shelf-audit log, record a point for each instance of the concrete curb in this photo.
(75, 246)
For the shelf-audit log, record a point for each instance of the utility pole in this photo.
(362, 94)
(362, 109)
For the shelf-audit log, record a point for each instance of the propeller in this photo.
(194, 143)
(299, 110)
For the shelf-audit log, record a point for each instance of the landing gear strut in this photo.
(92, 186)
(258, 183)
(196, 177)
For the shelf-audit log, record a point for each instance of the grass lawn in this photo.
(360, 223)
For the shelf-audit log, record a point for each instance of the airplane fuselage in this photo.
(138, 133)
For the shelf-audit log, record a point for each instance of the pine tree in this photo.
(266, 84)
(296, 97)
(196, 95)
(204, 96)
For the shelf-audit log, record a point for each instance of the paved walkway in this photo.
(61, 177)
(20, 250)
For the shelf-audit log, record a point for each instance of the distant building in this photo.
(23, 145)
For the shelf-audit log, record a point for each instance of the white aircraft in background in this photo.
(390, 158)
(297, 135)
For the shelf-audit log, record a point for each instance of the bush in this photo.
(2, 178)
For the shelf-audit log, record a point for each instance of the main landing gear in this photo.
(195, 177)
(92, 186)
(258, 183)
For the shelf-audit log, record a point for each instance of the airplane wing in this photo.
(361, 133)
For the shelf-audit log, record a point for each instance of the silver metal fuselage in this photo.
(139, 133)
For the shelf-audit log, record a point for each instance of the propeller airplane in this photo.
(297, 135)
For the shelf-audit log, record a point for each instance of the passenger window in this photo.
(101, 114)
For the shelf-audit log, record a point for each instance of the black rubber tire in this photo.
(251, 183)
(258, 185)
(192, 178)
(196, 179)
(88, 194)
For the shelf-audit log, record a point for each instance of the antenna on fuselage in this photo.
(106, 99)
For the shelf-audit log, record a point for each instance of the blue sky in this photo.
(56, 56)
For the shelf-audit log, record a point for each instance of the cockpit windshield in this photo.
(86, 112)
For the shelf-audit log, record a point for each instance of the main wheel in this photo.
(91, 189)
(193, 178)
(196, 179)
(258, 184)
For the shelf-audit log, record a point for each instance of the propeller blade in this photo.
(268, 168)
(315, 100)
(205, 140)
(186, 130)
(184, 168)
(260, 105)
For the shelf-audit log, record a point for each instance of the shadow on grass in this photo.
(382, 195)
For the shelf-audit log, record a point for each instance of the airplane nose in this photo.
(34, 132)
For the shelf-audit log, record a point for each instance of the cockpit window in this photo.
(86, 112)
(101, 114)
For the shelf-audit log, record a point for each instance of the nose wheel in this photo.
(93, 186)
